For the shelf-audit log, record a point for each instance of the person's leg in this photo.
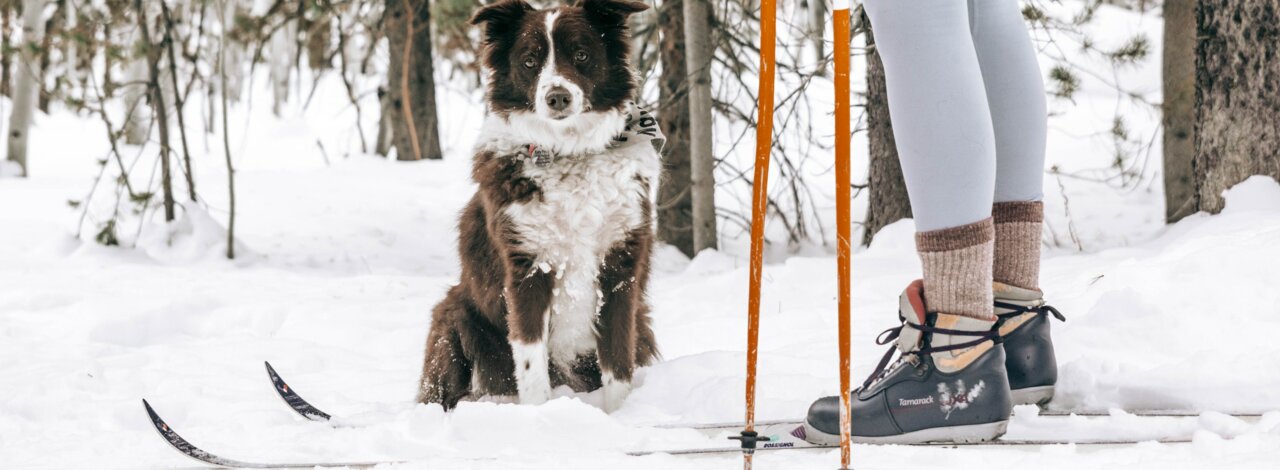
(949, 359)
(1015, 94)
(946, 144)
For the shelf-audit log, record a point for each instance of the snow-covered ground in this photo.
(343, 256)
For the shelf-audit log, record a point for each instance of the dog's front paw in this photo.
(615, 392)
(535, 395)
(533, 379)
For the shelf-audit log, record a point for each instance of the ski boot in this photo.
(1028, 348)
(948, 384)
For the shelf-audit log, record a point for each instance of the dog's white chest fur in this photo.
(588, 204)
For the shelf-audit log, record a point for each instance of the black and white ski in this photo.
(292, 399)
(306, 410)
(190, 450)
(789, 435)
(711, 428)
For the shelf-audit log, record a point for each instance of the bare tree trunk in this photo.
(702, 160)
(25, 89)
(7, 9)
(386, 123)
(1179, 71)
(280, 72)
(157, 106)
(137, 125)
(817, 22)
(226, 141)
(179, 106)
(675, 201)
(319, 35)
(1237, 131)
(888, 201)
(52, 27)
(412, 88)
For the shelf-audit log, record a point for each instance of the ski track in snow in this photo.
(342, 262)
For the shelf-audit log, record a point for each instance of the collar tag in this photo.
(541, 156)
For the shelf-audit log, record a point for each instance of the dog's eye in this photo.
(530, 62)
(581, 56)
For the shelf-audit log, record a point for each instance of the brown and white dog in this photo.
(555, 244)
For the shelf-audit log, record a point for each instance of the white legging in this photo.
(967, 103)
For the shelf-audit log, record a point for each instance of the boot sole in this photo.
(1032, 395)
(952, 434)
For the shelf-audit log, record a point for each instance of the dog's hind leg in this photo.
(446, 371)
(492, 369)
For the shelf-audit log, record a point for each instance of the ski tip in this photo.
(291, 398)
(156, 420)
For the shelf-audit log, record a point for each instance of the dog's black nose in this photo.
(558, 99)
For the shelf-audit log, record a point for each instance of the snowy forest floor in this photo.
(344, 256)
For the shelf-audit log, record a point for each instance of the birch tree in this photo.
(27, 85)
(817, 23)
(697, 31)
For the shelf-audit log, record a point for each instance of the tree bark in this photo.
(675, 201)
(702, 160)
(226, 141)
(52, 27)
(25, 89)
(157, 106)
(1237, 131)
(319, 37)
(411, 89)
(137, 126)
(386, 123)
(6, 47)
(817, 23)
(284, 48)
(179, 106)
(1179, 109)
(888, 190)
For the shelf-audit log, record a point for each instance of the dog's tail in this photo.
(646, 345)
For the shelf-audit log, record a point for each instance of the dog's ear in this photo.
(499, 16)
(613, 11)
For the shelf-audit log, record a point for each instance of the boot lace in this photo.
(884, 368)
(1016, 310)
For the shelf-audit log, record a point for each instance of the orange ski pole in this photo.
(840, 29)
(759, 200)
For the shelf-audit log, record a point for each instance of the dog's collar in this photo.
(641, 127)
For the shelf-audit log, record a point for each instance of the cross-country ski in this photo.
(781, 435)
(190, 450)
(640, 234)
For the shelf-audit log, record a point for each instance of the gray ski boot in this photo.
(948, 385)
(1028, 348)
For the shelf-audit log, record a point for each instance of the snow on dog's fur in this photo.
(555, 244)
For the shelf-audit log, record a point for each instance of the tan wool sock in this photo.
(957, 269)
(1017, 255)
